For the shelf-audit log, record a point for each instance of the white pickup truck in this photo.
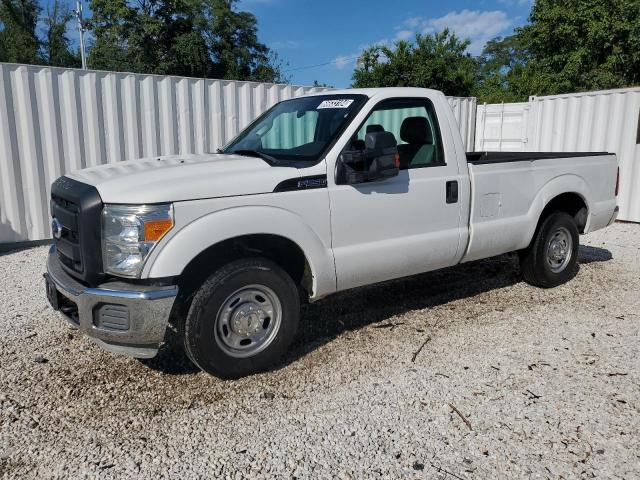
(321, 193)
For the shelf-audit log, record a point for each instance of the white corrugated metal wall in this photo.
(594, 121)
(502, 127)
(55, 120)
(464, 109)
(590, 121)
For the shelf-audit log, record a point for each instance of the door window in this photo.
(414, 124)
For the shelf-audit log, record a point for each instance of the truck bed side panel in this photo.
(481, 158)
(508, 198)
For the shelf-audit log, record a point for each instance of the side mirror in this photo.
(378, 161)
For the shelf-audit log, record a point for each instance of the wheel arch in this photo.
(571, 203)
(566, 193)
(281, 250)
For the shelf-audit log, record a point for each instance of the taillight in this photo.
(617, 181)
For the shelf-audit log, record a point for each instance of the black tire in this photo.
(534, 264)
(199, 332)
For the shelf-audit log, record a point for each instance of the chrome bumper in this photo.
(146, 310)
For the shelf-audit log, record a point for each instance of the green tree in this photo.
(185, 51)
(112, 24)
(56, 45)
(319, 84)
(233, 42)
(504, 74)
(579, 45)
(203, 38)
(435, 61)
(567, 46)
(18, 40)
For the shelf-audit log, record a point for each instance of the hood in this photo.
(183, 177)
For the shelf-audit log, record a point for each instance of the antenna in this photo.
(78, 14)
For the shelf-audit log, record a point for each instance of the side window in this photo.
(414, 124)
(290, 130)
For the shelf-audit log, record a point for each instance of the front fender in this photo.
(172, 255)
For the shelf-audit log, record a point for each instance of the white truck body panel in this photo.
(508, 198)
(404, 222)
(354, 235)
(179, 178)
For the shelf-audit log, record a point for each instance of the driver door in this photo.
(409, 223)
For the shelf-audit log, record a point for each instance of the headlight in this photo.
(129, 232)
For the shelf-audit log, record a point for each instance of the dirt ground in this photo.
(458, 374)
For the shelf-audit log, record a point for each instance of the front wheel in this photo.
(552, 257)
(242, 319)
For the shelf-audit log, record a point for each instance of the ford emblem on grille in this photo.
(56, 228)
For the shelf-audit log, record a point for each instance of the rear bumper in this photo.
(602, 215)
(120, 317)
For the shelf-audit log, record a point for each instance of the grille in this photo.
(68, 245)
(76, 207)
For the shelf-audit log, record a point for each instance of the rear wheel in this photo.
(552, 257)
(242, 319)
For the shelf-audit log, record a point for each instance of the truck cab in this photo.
(321, 193)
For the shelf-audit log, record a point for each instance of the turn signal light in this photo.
(397, 160)
(154, 230)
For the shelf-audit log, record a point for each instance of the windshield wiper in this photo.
(255, 153)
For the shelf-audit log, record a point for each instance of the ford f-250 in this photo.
(320, 194)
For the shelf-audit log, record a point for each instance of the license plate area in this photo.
(53, 295)
(61, 303)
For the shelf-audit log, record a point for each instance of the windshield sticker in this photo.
(342, 103)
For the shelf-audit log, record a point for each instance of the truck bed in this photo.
(509, 190)
(480, 158)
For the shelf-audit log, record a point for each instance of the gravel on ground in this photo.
(457, 374)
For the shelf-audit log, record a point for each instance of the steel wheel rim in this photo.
(248, 321)
(559, 250)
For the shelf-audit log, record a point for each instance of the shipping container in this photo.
(581, 122)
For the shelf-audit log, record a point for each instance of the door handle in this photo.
(452, 191)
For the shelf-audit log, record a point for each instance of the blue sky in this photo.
(331, 32)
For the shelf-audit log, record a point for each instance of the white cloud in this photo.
(286, 44)
(342, 61)
(404, 34)
(412, 22)
(477, 26)
(350, 60)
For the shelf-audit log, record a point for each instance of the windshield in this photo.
(300, 129)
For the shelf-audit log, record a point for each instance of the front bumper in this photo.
(120, 317)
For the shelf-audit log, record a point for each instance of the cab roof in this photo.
(373, 92)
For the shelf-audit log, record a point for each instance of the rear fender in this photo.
(568, 183)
